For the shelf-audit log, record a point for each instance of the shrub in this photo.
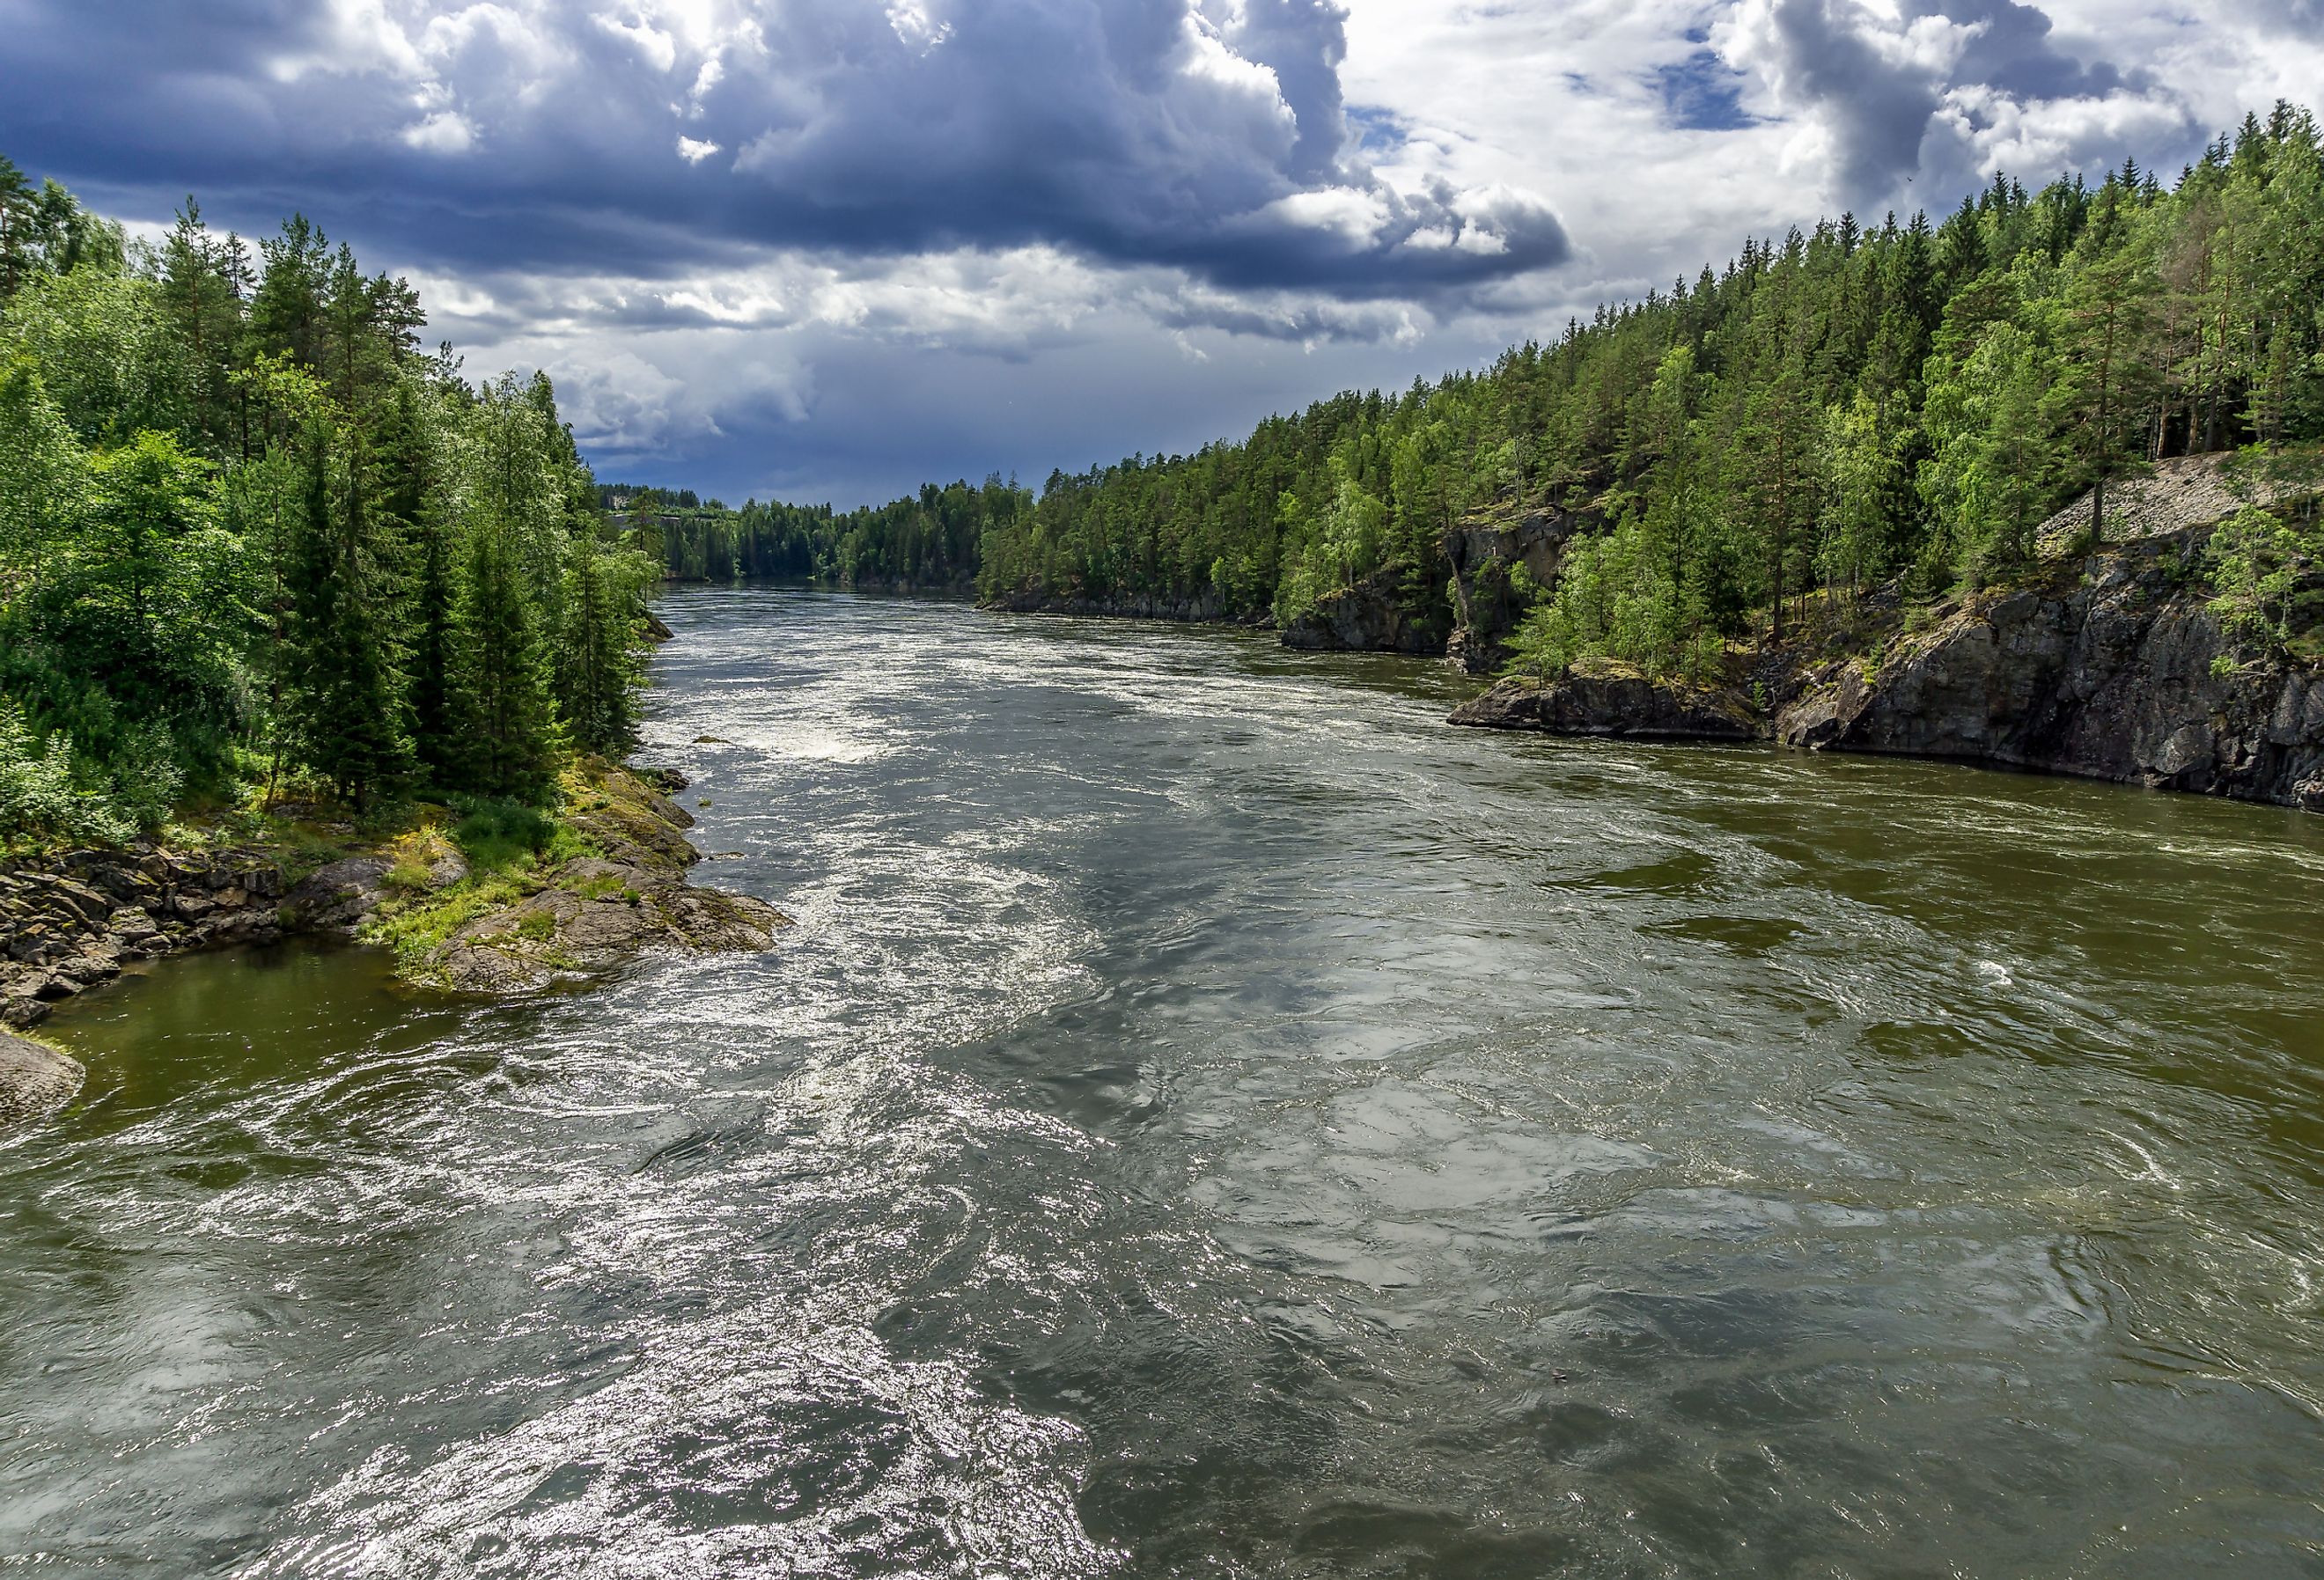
(39, 797)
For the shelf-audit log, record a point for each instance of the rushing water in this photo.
(1215, 1120)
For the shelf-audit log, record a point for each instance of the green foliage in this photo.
(41, 797)
(245, 527)
(499, 836)
(2269, 576)
(347, 697)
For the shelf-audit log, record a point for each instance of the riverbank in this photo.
(494, 905)
(2111, 665)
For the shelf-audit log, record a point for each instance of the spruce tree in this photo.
(347, 690)
(509, 736)
(598, 668)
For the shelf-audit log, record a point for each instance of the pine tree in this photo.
(2103, 326)
(598, 668)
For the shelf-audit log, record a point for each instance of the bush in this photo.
(2259, 565)
(40, 798)
(497, 835)
(503, 836)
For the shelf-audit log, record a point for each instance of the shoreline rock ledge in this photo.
(1624, 704)
(582, 918)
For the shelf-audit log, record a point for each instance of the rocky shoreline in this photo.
(2110, 667)
(73, 921)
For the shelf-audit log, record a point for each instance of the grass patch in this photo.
(415, 928)
(417, 855)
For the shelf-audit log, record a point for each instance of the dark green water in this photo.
(1214, 1120)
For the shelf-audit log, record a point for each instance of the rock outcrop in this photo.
(1608, 704)
(1368, 618)
(2123, 674)
(1484, 553)
(599, 914)
(35, 1079)
(69, 922)
(578, 919)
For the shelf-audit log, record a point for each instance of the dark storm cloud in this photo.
(1139, 131)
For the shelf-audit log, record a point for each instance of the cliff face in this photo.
(2123, 675)
(2113, 669)
(1368, 618)
(1483, 553)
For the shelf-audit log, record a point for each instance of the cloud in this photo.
(832, 247)
(1880, 91)
(1210, 135)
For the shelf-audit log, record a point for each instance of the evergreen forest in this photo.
(1896, 404)
(253, 536)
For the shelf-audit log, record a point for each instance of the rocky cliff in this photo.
(1368, 617)
(1484, 552)
(2120, 673)
(2110, 667)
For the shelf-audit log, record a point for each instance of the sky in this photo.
(830, 249)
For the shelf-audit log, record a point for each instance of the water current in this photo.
(1215, 1118)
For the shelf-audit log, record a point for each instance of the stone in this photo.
(35, 1079)
(482, 969)
(80, 900)
(89, 970)
(340, 895)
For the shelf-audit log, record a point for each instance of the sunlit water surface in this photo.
(1215, 1120)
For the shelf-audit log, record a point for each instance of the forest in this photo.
(252, 534)
(931, 542)
(1893, 405)
(253, 538)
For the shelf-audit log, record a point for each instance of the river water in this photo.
(1214, 1119)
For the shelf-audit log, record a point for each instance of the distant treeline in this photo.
(250, 532)
(933, 541)
(1834, 410)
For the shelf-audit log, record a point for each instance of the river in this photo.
(1214, 1119)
